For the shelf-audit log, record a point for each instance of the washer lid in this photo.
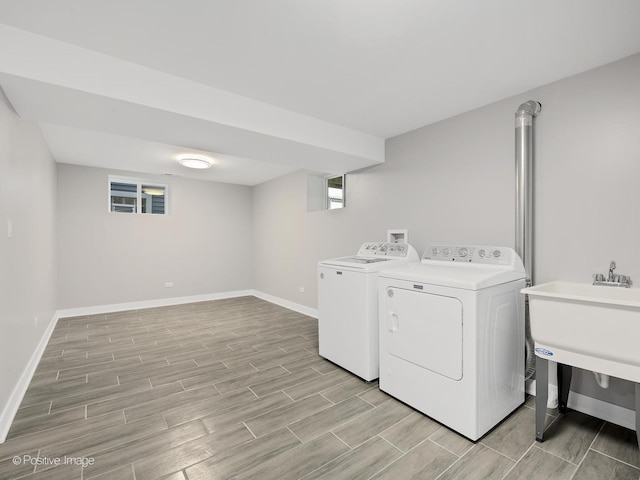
(365, 264)
(372, 256)
(362, 260)
(465, 276)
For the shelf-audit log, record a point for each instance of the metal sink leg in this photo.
(564, 383)
(542, 392)
(638, 412)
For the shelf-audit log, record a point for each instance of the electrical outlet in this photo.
(301, 289)
(168, 284)
(36, 321)
(9, 228)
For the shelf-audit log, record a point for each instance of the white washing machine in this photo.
(348, 305)
(452, 335)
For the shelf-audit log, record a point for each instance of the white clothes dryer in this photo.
(348, 305)
(452, 335)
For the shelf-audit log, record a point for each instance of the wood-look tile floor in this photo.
(235, 389)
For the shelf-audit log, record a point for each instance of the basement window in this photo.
(335, 192)
(128, 195)
(325, 192)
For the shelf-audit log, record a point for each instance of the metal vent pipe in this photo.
(524, 208)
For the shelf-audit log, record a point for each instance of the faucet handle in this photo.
(598, 277)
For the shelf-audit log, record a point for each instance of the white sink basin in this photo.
(592, 327)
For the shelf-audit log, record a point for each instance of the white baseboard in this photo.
(591, 406)
(160, 302)
(164, 302)
(296, 307)
(11, 408)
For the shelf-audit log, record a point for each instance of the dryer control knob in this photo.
(497, 253)
(321, 276)
(463, 252)
(482, 253)
(389, 292)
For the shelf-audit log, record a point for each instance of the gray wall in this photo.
(28, 258)
(203, 246)
(453, 182)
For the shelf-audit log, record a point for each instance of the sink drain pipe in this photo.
(524, 211)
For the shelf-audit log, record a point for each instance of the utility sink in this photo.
(591, 327)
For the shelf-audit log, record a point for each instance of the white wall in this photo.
(454, 182)
(28, 258)
(203, 246)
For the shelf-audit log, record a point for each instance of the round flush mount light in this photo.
(194, 161)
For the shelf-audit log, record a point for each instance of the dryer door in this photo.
(425, 329)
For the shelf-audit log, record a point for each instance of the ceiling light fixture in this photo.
(194, 161)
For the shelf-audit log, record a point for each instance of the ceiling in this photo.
(266, 87)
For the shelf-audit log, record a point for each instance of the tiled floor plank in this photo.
(371, 423)
(131, 400)
(317, 384)
(618, 442)
(53, 420)
(242, 413)
(571, 435)
(246, 457)
(597, 467)
(540, 465)
(329, 418)
(283, 416)
(60, 434)
(410, 431)
(481, 463)
(358, 464)
(129, 452)
(296, 462)
(162, 463)
(105, 439)
(426, 462)
(513, 437)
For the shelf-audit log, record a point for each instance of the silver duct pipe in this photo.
(524, 209)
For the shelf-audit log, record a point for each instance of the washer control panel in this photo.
(384, 249)
(470, 254)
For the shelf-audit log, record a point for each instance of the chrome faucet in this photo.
(612, 267)
(612, 279)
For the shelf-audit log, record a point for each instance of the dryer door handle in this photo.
(393, 322)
